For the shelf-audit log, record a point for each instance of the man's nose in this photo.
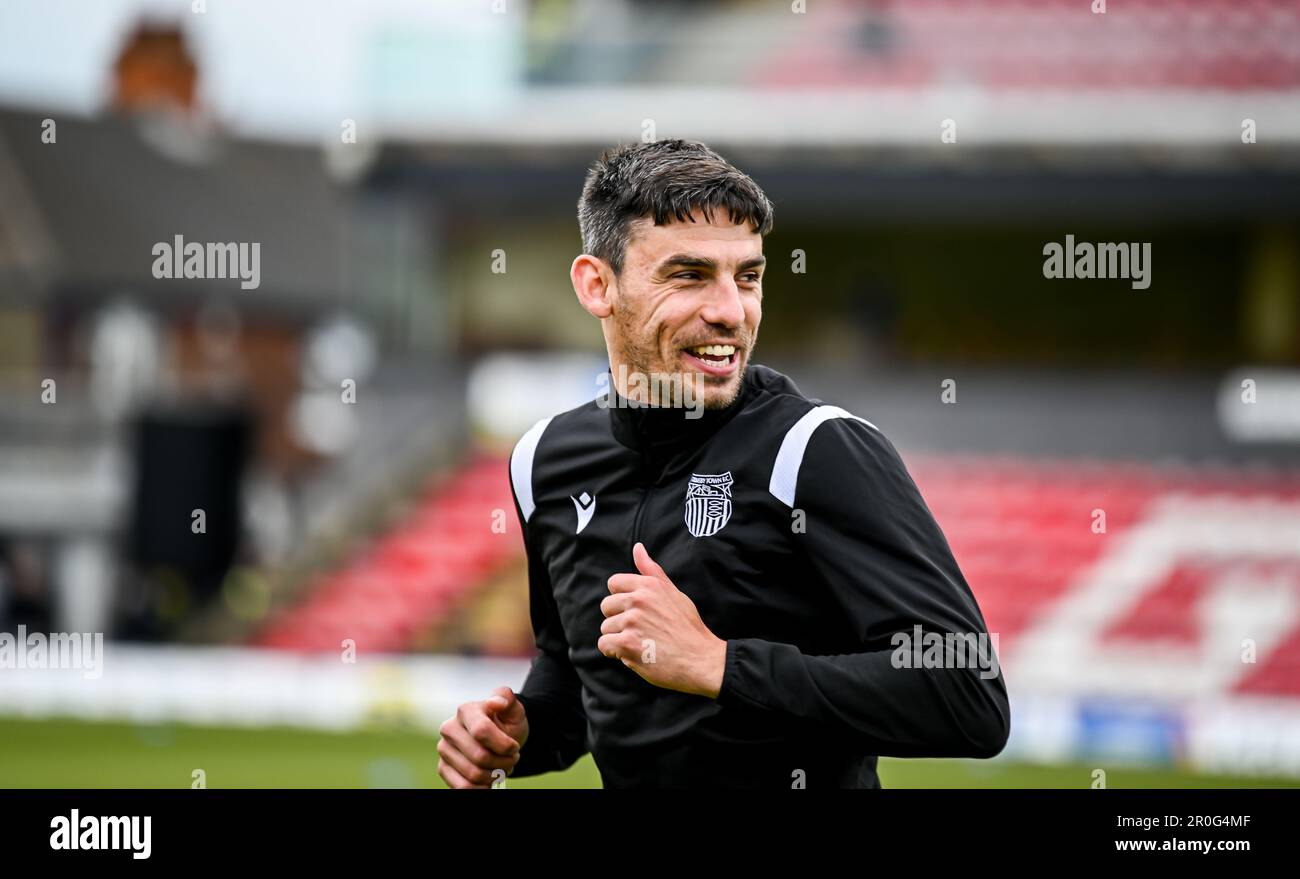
(723, 306)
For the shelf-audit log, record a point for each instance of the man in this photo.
(726, 593)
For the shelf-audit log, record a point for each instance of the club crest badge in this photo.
(708, 503)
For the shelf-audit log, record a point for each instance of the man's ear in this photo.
(593, 281)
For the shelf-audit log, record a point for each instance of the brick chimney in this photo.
(155, 70)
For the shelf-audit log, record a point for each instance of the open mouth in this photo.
(712, 359)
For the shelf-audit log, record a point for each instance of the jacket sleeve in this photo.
(551, 693)
(871, 543)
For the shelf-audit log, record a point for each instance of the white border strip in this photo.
(785, 472)
(521, 466)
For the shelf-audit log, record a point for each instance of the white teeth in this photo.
(714, 350)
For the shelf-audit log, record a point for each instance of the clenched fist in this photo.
(482, 737)
(656, 630)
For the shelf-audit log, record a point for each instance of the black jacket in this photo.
(798, 533)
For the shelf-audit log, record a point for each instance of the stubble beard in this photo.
(641, 356)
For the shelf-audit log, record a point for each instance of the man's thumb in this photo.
(646, 565)
(501, 700)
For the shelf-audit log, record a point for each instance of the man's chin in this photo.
(717, 392)
(686, 388)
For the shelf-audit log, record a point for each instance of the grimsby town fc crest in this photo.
(708, 503)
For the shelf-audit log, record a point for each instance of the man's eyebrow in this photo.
(686, 260)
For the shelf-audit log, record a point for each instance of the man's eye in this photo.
(688, 276)
(751, 277)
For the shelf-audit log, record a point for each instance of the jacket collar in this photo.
(660, 433)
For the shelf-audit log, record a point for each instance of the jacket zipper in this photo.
(646, 486)
(640, 507)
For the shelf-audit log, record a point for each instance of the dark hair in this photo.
(662, 179)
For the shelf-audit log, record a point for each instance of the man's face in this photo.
(686, 287)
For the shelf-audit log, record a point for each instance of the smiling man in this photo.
(729, 599)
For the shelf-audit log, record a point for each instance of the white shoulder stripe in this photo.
(521, 466)
(785, 474)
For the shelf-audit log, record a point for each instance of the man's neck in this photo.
(657, 430)
(674, 390)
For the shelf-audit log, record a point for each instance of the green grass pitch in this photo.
(72, 754)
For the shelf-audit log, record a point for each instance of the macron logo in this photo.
(88, 832)
(586, 507)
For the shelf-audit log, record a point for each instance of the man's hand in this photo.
(483, 737)
(656, 630)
